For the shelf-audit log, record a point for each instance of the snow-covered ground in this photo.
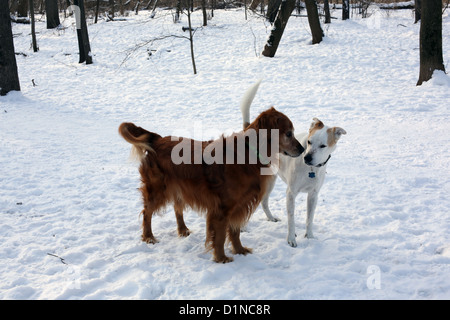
(70, 225)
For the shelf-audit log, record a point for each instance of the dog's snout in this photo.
(296, 149)
(300, 148)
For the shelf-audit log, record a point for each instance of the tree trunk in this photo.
(22, 8)
(9, 78)
(417, 10)
(97, 6)
(254, 4)
(345, 9)
(287, 6)
(82, 34)
(191, 39)
(272, 10)
(52, 13)
(314, 22)
(111, 10)
(326, 8)
(33, 31)
(205, 15)
(430, 40)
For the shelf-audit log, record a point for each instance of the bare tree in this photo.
(9, 78)
(97, 8)
(22, 8)
(52, 14)
(272, 10)
(33, 31)
(191, 40)
(205, 15)
(285, 11)
(326, 9)
(430, 40)
(82, 33)
(345, 9)
(314, 22)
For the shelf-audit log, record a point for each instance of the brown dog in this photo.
(224, 187)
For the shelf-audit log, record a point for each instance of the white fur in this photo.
(247, 101)
(296, 173)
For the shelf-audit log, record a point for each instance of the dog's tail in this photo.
(140, 138)
(246, 102)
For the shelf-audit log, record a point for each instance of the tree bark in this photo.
(9, 78)
(52, 13)
(112, 9)
(97, 6)
(326, 8)
(205, 15)
(345, 9)
(430, 40)
(22, 8)
(287, 6)
(82, 35)
(191, 39)
(33, 29)
(417, 10)
(272, 10)
(314, 22)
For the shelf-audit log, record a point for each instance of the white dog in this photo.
(302, 174)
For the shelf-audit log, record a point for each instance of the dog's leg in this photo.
(290, 204)
(310, 209)
(216, 232)
(234, 236)
(147, 234)
(183, 231)
(265, 200)
(147, 213)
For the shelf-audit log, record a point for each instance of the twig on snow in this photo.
(54, 255)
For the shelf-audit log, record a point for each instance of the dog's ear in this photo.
(334, 135)
(316, 124)
(338, 132)
(267, 119)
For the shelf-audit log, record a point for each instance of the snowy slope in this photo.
(69, 204)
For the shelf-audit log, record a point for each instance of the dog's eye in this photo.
(289, 134)
(309, 142)
(323, 146)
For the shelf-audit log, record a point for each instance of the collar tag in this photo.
(312, 175)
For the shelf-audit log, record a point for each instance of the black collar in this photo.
(324, 163)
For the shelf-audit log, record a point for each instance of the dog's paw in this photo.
(243, 250)
(273, 219)
(184, 232)
(151, 240)
(292, 242)
(223, 259)
(309, 235)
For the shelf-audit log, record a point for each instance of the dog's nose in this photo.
(300, 148)
(308, 158)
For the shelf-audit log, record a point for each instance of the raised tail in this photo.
(246, 102)
(140, 138)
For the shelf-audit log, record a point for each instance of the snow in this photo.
(69, 205)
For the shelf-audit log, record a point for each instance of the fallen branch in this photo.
(54, 255)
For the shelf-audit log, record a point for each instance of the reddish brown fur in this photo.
(227, 193)
(332, 140)
(317, 125)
